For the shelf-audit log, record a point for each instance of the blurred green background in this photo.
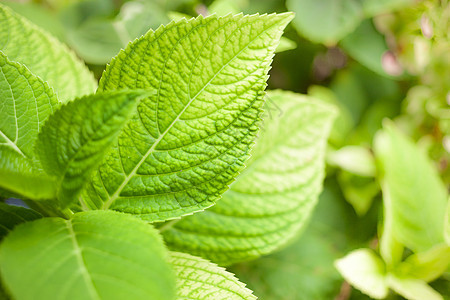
(373, 59)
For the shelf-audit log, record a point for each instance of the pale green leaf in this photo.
(274, 196)
(10, 216)
(75, 138)
(285, 45)
(187, 143)
(44, 55)
(364, 270)
(355, 159)
(427, 265)
(200, 279)
(412, 288)
(417, 198)
(326, 21)
(27, 102)
(95, 255)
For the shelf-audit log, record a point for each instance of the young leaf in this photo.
(427, 265)
(27, 102)
(326, 21)
(95, 255)
(75, 138)
(364, 270)
(412, 288)
(199, 279)
(187, 143)
(272, 199)
(418, 211)
(44, 55)
(10, 216)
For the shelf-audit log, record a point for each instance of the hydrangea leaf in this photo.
(44, 55)
(95, 255)
(75, 138)
(188, 142)
(200, 279)
(274, 196)
(417, 226)
(11, 216)
(27, 102)
(326, 21)
(364, 270)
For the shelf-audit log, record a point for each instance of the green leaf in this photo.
(75, 138)
(44, 55)
(27, 102)
(95, 255)
(10, 216)
(358, 191)
(326, 21)
(418, 211)
(412, 288)
(427, 265)
(367, 46)
(285, 45)
(355, 159)
(187, 143)
(304, 270)
(274, 196)
(200, 279)
(364, 270)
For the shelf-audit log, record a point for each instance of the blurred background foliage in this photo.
(374, 60)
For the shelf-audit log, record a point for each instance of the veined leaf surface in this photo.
(188, 142)
(27, 102)
(73, 141)
(44, 55)
(200, 279)
(95, 255)
(274, 196)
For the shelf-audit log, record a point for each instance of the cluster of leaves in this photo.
(112, 175)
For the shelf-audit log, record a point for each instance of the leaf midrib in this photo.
(83, 268)
(116, 194)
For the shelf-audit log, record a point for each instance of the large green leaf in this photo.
(73, 141)
(187, 143)
(95, 255)
(10, 216)
(417, 198)
(44, 55)
(326, 21)
(27, 102)
(271, 200)
(199, 279)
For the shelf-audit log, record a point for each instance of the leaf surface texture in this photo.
(27, 102)
(95, 255)
(274, 196)
(188, 142)
(45, 56)
(200, 279)
(73, 141)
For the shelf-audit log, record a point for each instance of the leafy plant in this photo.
(110, 175)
